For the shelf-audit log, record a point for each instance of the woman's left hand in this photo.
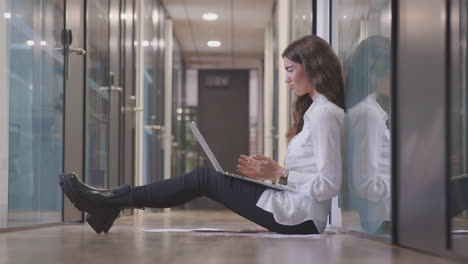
(259, 167)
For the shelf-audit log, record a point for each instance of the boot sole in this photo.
(100, 219)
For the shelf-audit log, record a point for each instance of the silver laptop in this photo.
(218, 167)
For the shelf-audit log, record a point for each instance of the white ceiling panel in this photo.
(240, 27)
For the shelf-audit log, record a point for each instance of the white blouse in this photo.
(314, 161)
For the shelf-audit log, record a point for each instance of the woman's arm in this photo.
(259, 167)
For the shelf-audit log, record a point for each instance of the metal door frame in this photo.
(129, 82)
(74, 133)
(115, 128)
(4, 123)
(420, 86)
(129, 107)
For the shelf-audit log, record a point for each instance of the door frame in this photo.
(420, 214)
(129, 87)
(116, 93)
(74, 133)
(4, 119)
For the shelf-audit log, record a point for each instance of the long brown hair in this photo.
(323, 70)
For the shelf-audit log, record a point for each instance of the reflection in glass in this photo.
(368, 134)
(35, 111)
(361, 37)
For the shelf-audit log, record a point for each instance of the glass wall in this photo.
(178, 125)
(153, 44)
(148, 91)
(97, 93)
(301, 18)
(361, 36)
(34, 68)
(301, 24)
(458, 138)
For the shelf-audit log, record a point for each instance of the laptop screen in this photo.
(204, 145)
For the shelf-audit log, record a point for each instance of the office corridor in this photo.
(108, 90)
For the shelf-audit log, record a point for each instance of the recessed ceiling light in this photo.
(210, 16)
(213, 43)
(7, 15)
(30, 42)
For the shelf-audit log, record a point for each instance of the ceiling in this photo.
(240, 27)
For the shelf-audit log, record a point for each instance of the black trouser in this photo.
(239, 196)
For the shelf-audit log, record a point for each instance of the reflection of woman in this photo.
(312, 167)
(367, 83)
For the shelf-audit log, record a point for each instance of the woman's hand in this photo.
(259, 167)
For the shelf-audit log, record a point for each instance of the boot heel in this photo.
(113, 216)
(94, 222)
(103, 220)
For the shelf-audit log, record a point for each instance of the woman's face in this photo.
(296, 78)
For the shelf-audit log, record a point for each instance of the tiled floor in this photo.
(127, 243)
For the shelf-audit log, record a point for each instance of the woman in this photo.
(312, 165)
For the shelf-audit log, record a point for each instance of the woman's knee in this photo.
(201, 179)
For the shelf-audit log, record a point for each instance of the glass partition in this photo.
(178, 124)
(361, 37)
(97, 93)
(458, 137)
(301, 18)
(301, 24)
(149, 131)
(153, 45)
(35, 131)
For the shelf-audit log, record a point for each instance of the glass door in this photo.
(150, 128)
(32, 77)
(116, 94)
(98, 93)
(128, 81)
(361, 38)
(152, 44)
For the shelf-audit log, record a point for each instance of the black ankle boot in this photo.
(102, 205)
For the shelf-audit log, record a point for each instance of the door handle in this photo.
(67, 39)
(77, 51)
(155, 127)
(112, 89)
(66, 58)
